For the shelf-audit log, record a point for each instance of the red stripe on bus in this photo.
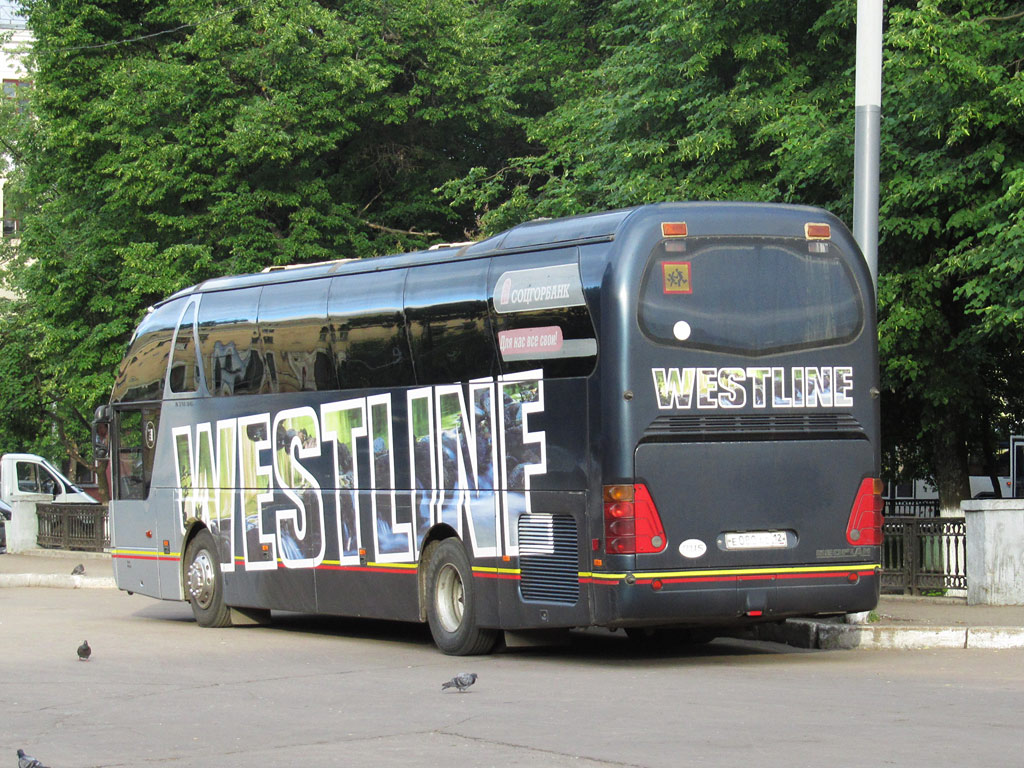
(511, 576)
(735, 577)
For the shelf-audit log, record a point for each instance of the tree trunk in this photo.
(949, 450)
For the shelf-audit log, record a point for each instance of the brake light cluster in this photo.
(865, 526)
(632, 525)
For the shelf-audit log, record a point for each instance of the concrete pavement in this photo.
(52, 568)
(910, 623)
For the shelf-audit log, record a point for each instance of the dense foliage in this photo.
(174, 140)
(755, 101)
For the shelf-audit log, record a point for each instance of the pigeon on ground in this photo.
(79, 570)
(84, 651)
(24, 761)
(460, 682)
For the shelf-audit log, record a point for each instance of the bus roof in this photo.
(531, 235)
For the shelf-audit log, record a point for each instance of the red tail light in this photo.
(865, 526)
(632, 524)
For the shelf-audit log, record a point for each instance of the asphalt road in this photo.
(160, 691)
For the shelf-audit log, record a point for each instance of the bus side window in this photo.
(296, 336)
(449, 329)
(141, 376)
(136, 447)
(534, 334)
(368, 331)
(184, 374)
(129, 455)
(230, 342)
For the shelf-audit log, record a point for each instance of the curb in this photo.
(55, 580)
(831, 636)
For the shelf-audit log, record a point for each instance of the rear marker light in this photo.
(656, 585)
(673, 229)
(817, 231)
(864, 528)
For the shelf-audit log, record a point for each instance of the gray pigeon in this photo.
(84, 651)
(24, 761)
(79, 570)
(460, 682)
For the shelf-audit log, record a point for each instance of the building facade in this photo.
(14, 41)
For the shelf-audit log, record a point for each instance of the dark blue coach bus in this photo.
(658, 417)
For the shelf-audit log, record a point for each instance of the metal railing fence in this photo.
(911, 508)
(924, 555)
(73, 526)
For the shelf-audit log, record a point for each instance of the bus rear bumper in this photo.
(646, 600)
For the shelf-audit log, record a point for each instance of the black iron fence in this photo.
(924, 555)
(73, 526)
(911, 508)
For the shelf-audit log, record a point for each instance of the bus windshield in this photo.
(787, 298)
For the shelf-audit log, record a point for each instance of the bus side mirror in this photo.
(101, 433)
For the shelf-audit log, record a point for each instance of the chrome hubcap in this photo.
(450, 598)
(201, 580)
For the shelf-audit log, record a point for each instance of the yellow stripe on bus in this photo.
(144, 553)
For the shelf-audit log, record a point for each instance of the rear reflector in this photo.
(673, 229)
(865, 526)
(632, 525)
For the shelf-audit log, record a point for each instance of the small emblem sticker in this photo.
(676, 276)
(693, 548)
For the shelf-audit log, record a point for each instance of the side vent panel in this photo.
(549, 558)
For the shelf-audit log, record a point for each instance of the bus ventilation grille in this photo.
(549, 558)
(783, 426)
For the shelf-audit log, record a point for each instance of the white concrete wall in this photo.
(995, 551)
(23, 530)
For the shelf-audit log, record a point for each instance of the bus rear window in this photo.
(752, 296)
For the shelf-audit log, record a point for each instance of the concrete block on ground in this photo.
(995, 638)
(995, 551)
(848, 637)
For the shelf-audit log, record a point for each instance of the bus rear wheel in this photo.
(451, 603)
(204, 584)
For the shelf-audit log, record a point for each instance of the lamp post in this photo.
(868, 131)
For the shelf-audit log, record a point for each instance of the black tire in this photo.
(451, 603)
(204, 583)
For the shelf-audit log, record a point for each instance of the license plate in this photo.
(756, 540)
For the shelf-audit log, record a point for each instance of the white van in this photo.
(27, 474)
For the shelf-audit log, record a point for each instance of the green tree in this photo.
(174, 140)
(951, 330)
(753, 99)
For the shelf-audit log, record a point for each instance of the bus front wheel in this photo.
(204, 584)
(451, 603)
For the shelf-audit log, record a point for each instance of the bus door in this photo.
(135, 539)
(755, 417)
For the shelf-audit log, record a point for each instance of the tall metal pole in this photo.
(868, 131)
